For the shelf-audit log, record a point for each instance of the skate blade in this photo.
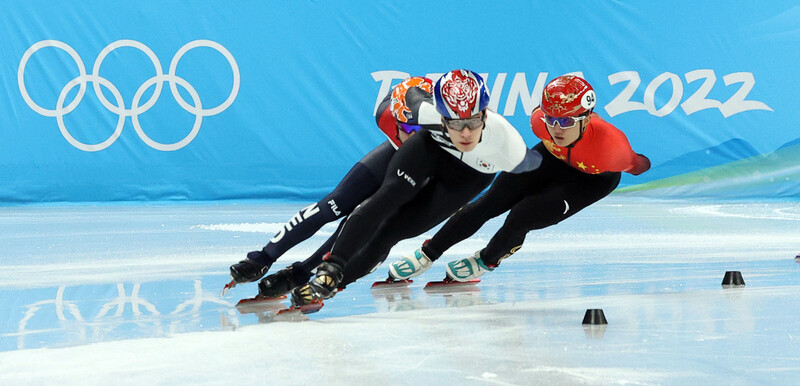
(259, 304)
(305, 309)
(228, 288)
(449, 284)
(391, 283)
(259, 300)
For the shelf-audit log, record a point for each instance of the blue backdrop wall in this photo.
(206, 100)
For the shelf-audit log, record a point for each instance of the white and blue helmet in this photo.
(460, 94)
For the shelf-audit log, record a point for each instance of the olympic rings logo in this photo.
(136, 108)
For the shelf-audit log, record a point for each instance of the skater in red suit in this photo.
(583, 157)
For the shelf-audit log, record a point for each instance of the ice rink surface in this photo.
(129, 294)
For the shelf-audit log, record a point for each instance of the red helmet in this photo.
(400, 110)
(568, 96)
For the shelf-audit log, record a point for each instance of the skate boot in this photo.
(468, 268)
(254, 267)
(410, 266)
(303, 296)
(283, 281)
(329, 275)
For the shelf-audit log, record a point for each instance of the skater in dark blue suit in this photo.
(398, 122)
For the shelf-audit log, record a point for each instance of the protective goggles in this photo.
(408, 128)
(562, 121)
(459, 124)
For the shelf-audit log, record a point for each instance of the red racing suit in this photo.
(601, 148)
(569, 179)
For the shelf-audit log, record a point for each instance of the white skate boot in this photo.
(409, 267)
(469, 268)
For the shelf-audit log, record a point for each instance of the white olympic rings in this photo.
(119, 108)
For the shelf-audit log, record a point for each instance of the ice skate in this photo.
(467, 269)
(303, 295)
(448, 285)
(254, 267)
(259, 304)
(283, 281)
(303, 300)
(328, 277)
(390, 283)
(410, 266)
